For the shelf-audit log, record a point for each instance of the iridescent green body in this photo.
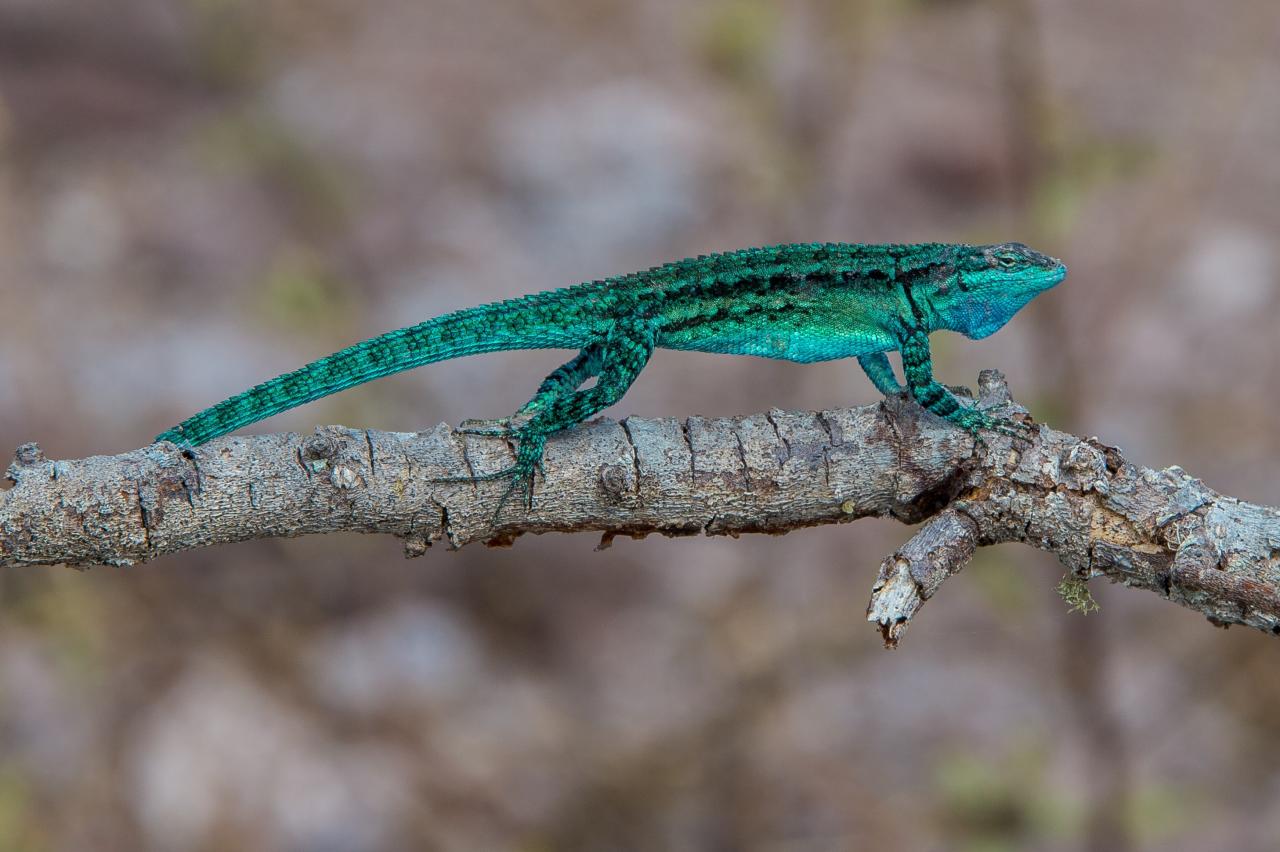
(805, 302)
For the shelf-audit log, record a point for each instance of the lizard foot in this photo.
(975, 422)
(1015, 429)
(521, 480)
(521, 474)
(500, 427)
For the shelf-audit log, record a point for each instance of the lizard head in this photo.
(987, 285)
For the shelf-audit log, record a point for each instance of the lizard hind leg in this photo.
(619, 361)
(880, 372)
(566, 378)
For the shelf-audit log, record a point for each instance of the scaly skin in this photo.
(806, 302)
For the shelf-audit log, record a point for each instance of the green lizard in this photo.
(806, 302)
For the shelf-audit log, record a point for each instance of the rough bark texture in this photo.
(1158, 530)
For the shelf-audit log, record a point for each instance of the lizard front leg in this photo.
(880, 372)
(917, 364)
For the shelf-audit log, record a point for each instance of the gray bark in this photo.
(1102, 516)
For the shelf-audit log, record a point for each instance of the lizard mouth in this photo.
(1054, 275)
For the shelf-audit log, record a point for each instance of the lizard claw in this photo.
(1015, 429)
(976, 422)
(479, 477)
(497, 428)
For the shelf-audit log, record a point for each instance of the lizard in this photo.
(803, 302)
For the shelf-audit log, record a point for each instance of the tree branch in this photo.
(1102, 516)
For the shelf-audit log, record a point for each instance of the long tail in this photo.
(543, 321)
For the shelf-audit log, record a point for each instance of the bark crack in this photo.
(144, 514)
(742, 459)
(688, 442)
(785, 443)
(635, 452)
(826, 451)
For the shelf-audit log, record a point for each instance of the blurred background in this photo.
(196, 195)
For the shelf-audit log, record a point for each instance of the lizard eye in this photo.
(1006, 260)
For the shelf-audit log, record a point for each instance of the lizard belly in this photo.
(786, 344)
